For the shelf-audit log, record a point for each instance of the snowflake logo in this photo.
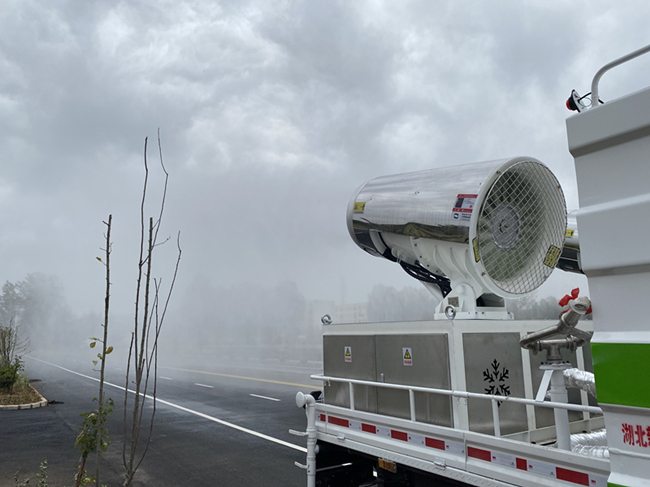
(496, 376)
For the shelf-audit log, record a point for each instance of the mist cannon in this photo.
(473, 234)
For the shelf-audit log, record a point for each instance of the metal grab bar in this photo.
(495, 418)
(463, 394)
(594, 83)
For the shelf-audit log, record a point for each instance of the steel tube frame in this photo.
(495, 418)
(559, 394)
(560, 408)
(607, 67)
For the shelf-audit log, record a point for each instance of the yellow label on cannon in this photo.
(552, 256)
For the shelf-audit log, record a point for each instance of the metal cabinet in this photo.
(416, 360)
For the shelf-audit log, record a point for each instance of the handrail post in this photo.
(495, 418)
(351, 395)
(607, 67)
(412, 404)
(559, 394)
(308, 402)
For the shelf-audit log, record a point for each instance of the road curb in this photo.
(34, 405)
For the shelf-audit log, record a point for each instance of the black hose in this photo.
(424, 275)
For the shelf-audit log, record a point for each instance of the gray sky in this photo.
(271, 114)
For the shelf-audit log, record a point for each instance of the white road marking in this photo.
(166, 378)
(191, 411)
(264, 397)
(203, 385)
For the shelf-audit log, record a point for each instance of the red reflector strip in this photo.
(532, 466)
(338, 421)
(399, 435)
(479, 453)
(433, 443)
(572, 476)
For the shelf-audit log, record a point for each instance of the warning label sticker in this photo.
(477, 255)
(348, 354)
(552, 256)
(359, 206)
(463, 207)
(407, 355)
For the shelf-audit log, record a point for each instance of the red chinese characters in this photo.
(636, 435)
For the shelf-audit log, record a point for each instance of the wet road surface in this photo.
(217, 425)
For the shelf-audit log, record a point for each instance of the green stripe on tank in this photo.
(609, 484)
(622, 373)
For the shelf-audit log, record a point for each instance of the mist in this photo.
(270, 116)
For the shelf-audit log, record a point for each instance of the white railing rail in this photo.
(594, 83)
(495, 400)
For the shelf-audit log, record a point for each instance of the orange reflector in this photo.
(388, 465)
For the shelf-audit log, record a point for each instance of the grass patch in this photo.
(22, 394)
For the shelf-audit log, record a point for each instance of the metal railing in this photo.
(495, 400)
(594, 83)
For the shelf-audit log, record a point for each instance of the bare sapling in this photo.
(94, 435)
(105, 350)
(150, 311)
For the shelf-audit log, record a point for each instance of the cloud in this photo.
(271, 115)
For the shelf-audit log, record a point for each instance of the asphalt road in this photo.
(215, 426)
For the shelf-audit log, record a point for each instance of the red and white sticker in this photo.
(504, 459)
(417, 439)
(356, 425)
(515, 462)
(463, 207)
(544, 469)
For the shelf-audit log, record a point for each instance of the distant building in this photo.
(351, 313)
(314, 311)
(344, 313)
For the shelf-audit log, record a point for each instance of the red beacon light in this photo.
(574, 103)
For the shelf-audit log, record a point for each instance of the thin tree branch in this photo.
(100, 418)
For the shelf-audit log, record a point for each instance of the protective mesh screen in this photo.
(521, 227)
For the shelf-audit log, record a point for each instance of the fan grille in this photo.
(521, 227)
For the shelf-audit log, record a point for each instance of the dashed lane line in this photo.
(264, 397)
(203, 385)
(191, 411)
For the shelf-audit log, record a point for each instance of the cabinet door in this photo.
(493, 365)
(351, 357)
(418, 360)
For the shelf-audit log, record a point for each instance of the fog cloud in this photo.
(271, 114)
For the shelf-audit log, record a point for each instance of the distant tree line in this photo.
(38, 307)
(385, 303)
(33, 301)
(251, 322)
(241, 322)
